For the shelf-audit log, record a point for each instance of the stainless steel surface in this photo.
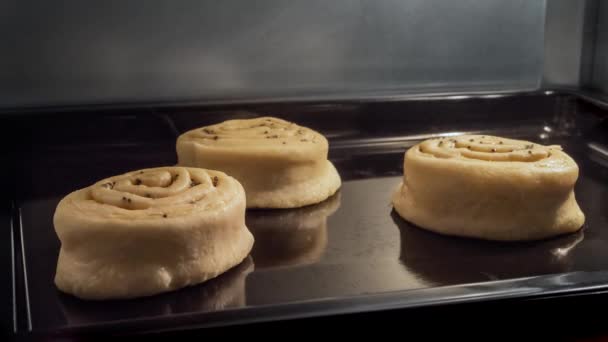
(599, 79)
(590, 25)
(69, 52)
(564, 39)
(595, 97)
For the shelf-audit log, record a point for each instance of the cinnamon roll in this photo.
(280, 164)
(490, 188)
(150, 231)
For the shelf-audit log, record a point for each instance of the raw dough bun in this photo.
(290, 237)
(226, 291)
(150, 231)
(490, 188)
(280, 164)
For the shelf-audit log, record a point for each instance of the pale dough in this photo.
(223, 292)
(150, 231)
(490, 188)
(280, 164)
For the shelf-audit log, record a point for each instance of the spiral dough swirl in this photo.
(264, 133)
(150, 231)
(164, 191)
(486, 148)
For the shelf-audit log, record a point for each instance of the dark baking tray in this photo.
(348, 254)
(8, 323)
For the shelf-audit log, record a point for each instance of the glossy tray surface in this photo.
(324, 258)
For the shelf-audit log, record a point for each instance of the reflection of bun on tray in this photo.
(444, 260)
(224, 291)
(290, 237)
(280, 164)
(490, 188)
(150, 231)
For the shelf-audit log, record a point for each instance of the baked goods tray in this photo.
(349, 254)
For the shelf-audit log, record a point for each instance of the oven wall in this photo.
(569, 36)
(77, 52)
(599, 76)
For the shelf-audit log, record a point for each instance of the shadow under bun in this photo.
(225, 291)
(290, 237)
(446, 260)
